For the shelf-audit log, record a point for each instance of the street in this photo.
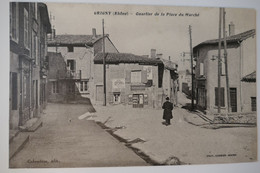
(66, 141)
(190, 144)
(73, 139)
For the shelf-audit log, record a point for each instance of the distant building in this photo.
(29, 25)
(57, 73)
(184, 81)
(134, 80)
(78, 52)
(239, 48)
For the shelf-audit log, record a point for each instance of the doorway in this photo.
(138, 100)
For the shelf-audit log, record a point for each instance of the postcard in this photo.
(109, 85)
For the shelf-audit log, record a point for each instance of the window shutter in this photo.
(144, 76)
(201, 69)
(222, 99)
(127, 76)
(74, 65)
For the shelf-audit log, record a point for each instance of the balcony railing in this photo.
(73, 74)
(69, 74)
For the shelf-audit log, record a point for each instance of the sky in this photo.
(138, 34)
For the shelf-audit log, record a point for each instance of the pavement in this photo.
(65, 140)
(73, 135)
(186, 141)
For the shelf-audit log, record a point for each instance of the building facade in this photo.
(78, 53)
(185, 82)
(29, 25)
(134, 80)
(240, 48)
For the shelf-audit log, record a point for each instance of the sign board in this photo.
(149, 72)
(118, 83)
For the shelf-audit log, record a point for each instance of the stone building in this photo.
(78, 52)
(134, 80)
(240, 48)
(29, 25)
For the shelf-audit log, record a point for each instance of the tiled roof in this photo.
(76, 40)
(234, 38)
(117, 58)
(250, 77)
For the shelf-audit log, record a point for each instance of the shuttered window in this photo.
(26, 28)
(253, 103)
(222, 97)
(14, 16)
(136, 77)
(55, 87)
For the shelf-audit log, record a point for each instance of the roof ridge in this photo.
(240, 37)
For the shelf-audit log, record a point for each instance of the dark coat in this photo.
(168, 107)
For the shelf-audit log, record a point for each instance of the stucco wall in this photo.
(241, 61)
(120, 72)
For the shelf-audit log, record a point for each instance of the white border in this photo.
(4, 91)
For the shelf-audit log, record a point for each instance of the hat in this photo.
(167, 98)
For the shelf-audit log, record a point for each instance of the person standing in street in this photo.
(167, 113)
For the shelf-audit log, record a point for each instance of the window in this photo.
(84, 86)
(116, 97)
(14, 12)
(70, 49)
(136, 76)
(71, 64)
(26, 27)
(222, 97)
(35, 47)
(253, 103)
(55, 87)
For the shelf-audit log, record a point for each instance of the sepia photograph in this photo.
(123, 85)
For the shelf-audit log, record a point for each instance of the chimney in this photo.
(231, 29)
(153, 53)
(94, 33)
(169, 58)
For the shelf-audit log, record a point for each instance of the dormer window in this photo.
(70, 49)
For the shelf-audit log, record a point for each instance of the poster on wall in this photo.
(215, 123)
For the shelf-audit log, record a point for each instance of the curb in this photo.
(34, 127)
(16, 146)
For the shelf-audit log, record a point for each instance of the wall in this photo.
(212, 77)
(84, 58)
(14, 112)
(121, 71)
(249, 90)
(20, 58)
(238, 57)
